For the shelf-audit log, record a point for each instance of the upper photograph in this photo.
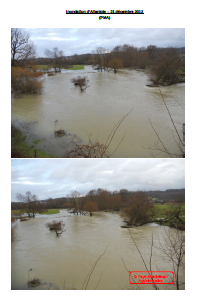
(97, 93)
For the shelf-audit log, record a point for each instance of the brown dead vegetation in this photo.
(25, 81)
(56, 226)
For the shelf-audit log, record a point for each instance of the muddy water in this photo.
(64, 262)
(96, 111)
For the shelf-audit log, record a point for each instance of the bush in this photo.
(25, 81)
(56, 226)
(82, 82)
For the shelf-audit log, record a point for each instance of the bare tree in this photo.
(99, 58)
(180, 142)
(173, 247)
(56, 58)
(21, 48)
(30, 203)
(74, 201)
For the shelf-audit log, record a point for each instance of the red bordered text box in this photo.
(151, 273)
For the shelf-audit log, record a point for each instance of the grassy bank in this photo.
(19, 148)
(51, 211)
(75, 67)
(164, 211)
(46, 67)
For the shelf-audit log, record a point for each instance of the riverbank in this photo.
(26, 142)
(20, 149)
(165, 84)
(171, 215)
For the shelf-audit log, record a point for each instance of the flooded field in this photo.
(93, 114)
(64, 262)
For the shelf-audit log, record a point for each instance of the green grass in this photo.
(46, 67)
(16, 212)
(43, 66)
(162, 211)
(37, 141)
(76, 67)
(51, 211)
(19, 148)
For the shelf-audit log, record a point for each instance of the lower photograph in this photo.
(98, 224)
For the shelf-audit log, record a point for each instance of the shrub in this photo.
(25, 81)
(82, 82)
(56, 226)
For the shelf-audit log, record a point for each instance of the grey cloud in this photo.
(56, 178)
(85, 40)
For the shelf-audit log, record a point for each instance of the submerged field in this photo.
(65, 262)
(94, 115)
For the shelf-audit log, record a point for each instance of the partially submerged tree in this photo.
(115, 63)
(91, 206)
(137, 213)
(175, 216)
(57, 59)
(165, 69)
(82, 82)
(56, 226)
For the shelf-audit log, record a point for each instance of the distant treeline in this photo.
(167, 65)
(130, 56)
(106, 200)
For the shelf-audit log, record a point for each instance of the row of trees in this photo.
(165, 63)
(137, 207)
(111, 200)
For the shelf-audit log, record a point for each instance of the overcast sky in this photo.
(58, 177)
(82, 41)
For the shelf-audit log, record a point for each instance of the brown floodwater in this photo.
(64, 262)
(95, 112)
